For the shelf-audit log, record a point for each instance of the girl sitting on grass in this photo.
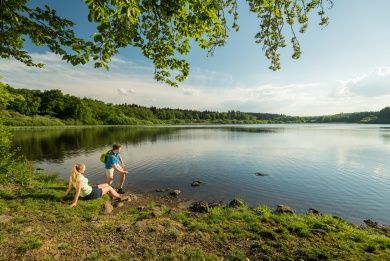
(84, 190)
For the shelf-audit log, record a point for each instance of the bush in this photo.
(13, 169)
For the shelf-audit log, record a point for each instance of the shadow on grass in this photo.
(50, 194)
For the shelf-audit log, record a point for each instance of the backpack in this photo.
(103, 157)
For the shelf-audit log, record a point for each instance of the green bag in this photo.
(103, 157)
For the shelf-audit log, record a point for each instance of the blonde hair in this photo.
(75, 171)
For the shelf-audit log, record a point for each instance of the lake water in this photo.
(337, 168)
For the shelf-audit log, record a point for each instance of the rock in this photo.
(5, 219)
(318, 231)
(375, 225)
(260, 174)
(175, 192)
(107, 208)
(371, 223)
(38, 169)
(160, 190)
(214, 205)
(196, 183)
(313, 211)
(281, 209)
(117, 204)
(236, 203)
(128, 197)
(200, 207)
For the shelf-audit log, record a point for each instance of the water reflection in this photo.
(54, 144)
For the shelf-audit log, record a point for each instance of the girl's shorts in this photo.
(96, 193)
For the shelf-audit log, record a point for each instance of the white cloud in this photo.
(375, 83)
(132, 82)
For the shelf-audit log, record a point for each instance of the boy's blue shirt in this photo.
(112, 159)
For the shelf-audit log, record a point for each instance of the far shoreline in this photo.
(191, 125)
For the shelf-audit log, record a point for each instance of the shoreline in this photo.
(185, 202)
(191, 125)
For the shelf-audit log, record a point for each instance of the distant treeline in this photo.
(52, 107)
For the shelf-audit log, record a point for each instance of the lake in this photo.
(343, 169)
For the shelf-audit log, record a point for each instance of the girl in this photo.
(84, 190)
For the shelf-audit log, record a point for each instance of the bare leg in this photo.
(109, 181)
(110, 191)
(101, 186)
(122, 181)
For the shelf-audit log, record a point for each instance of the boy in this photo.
(114, 162)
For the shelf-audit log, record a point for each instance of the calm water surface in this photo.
(336, 168)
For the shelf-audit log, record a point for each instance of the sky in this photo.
(344, 67)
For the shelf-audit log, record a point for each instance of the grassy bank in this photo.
(36, 224)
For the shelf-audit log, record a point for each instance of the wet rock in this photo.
(376, 225)
(314, 211)
(282, 209)
(260, 174)
(371, 223)
(5, 219)
(196, 183)
(175, 192)
(107, 208)
(200, 207)
(236, 203)
(160, 190)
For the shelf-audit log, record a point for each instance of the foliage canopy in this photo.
(163, 30)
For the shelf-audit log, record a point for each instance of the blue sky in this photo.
(344, 67)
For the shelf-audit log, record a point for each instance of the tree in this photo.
(384, 115)
(29, 104)
(161, 29)
(6, 97)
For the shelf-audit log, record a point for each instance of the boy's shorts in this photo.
(110, 173)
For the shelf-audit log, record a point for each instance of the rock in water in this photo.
(107, 208)
(175, 192)
(261, 174)
(200, 207)
(281, 209)
(313, 211)
(236, 203)
(196, 183)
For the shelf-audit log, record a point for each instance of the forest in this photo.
(53, 107)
